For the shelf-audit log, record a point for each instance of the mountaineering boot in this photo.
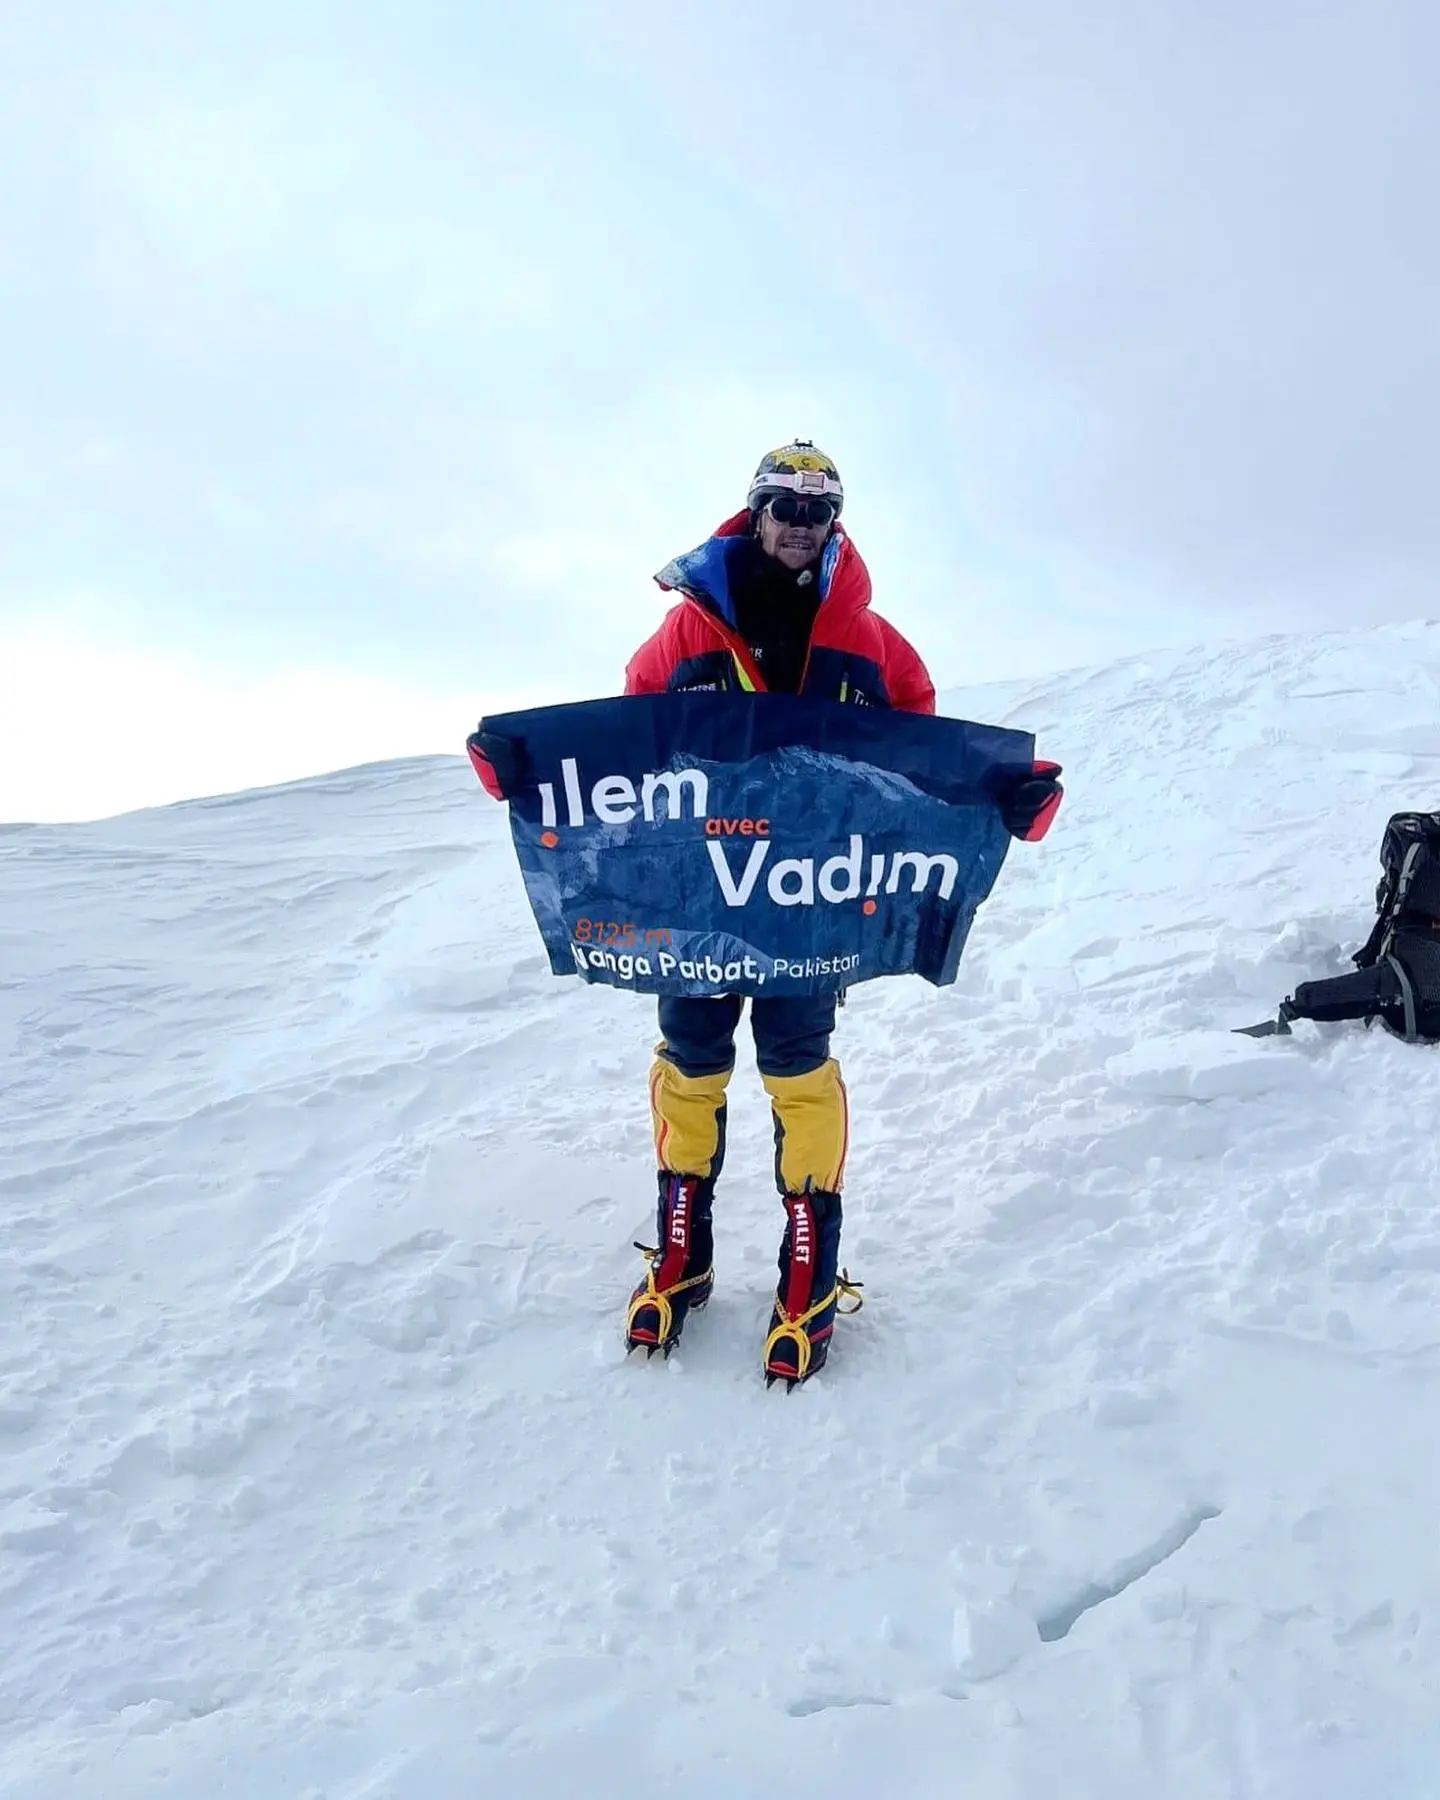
(810, 1291)
(681, 1274)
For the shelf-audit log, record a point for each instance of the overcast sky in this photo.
(359, 363)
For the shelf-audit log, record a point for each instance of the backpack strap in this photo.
(1368, 954)
(1402, 892)
(1407, 993)
(1376, 947)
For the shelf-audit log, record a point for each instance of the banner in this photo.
(703, 843)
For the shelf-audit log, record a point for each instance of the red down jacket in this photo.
(855, 655)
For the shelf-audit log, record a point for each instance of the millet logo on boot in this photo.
(802, 1235)
(680, 1217)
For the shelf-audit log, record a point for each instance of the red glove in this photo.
(1029, 803)
(496, 760)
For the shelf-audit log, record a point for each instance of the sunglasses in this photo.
(789, 509)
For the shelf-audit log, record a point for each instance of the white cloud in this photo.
(304, 192)
(236, 183)
(90, 728)
(413, 349)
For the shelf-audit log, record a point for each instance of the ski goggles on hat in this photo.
(797, 481)
(803, 481)
(790, 509)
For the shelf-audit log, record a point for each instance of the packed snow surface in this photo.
(322, 1474)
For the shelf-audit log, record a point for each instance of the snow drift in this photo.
(321, 1473)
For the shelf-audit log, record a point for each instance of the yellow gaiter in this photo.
(812, 1128)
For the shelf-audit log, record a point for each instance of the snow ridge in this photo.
(321, 1472)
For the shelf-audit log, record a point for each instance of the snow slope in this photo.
(321, 1473)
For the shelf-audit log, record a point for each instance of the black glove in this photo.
(1028, 803)
(497, 761)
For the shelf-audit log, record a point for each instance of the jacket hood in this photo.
(703, 574)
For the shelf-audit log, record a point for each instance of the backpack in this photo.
(1399, 982)
(1409, 892)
